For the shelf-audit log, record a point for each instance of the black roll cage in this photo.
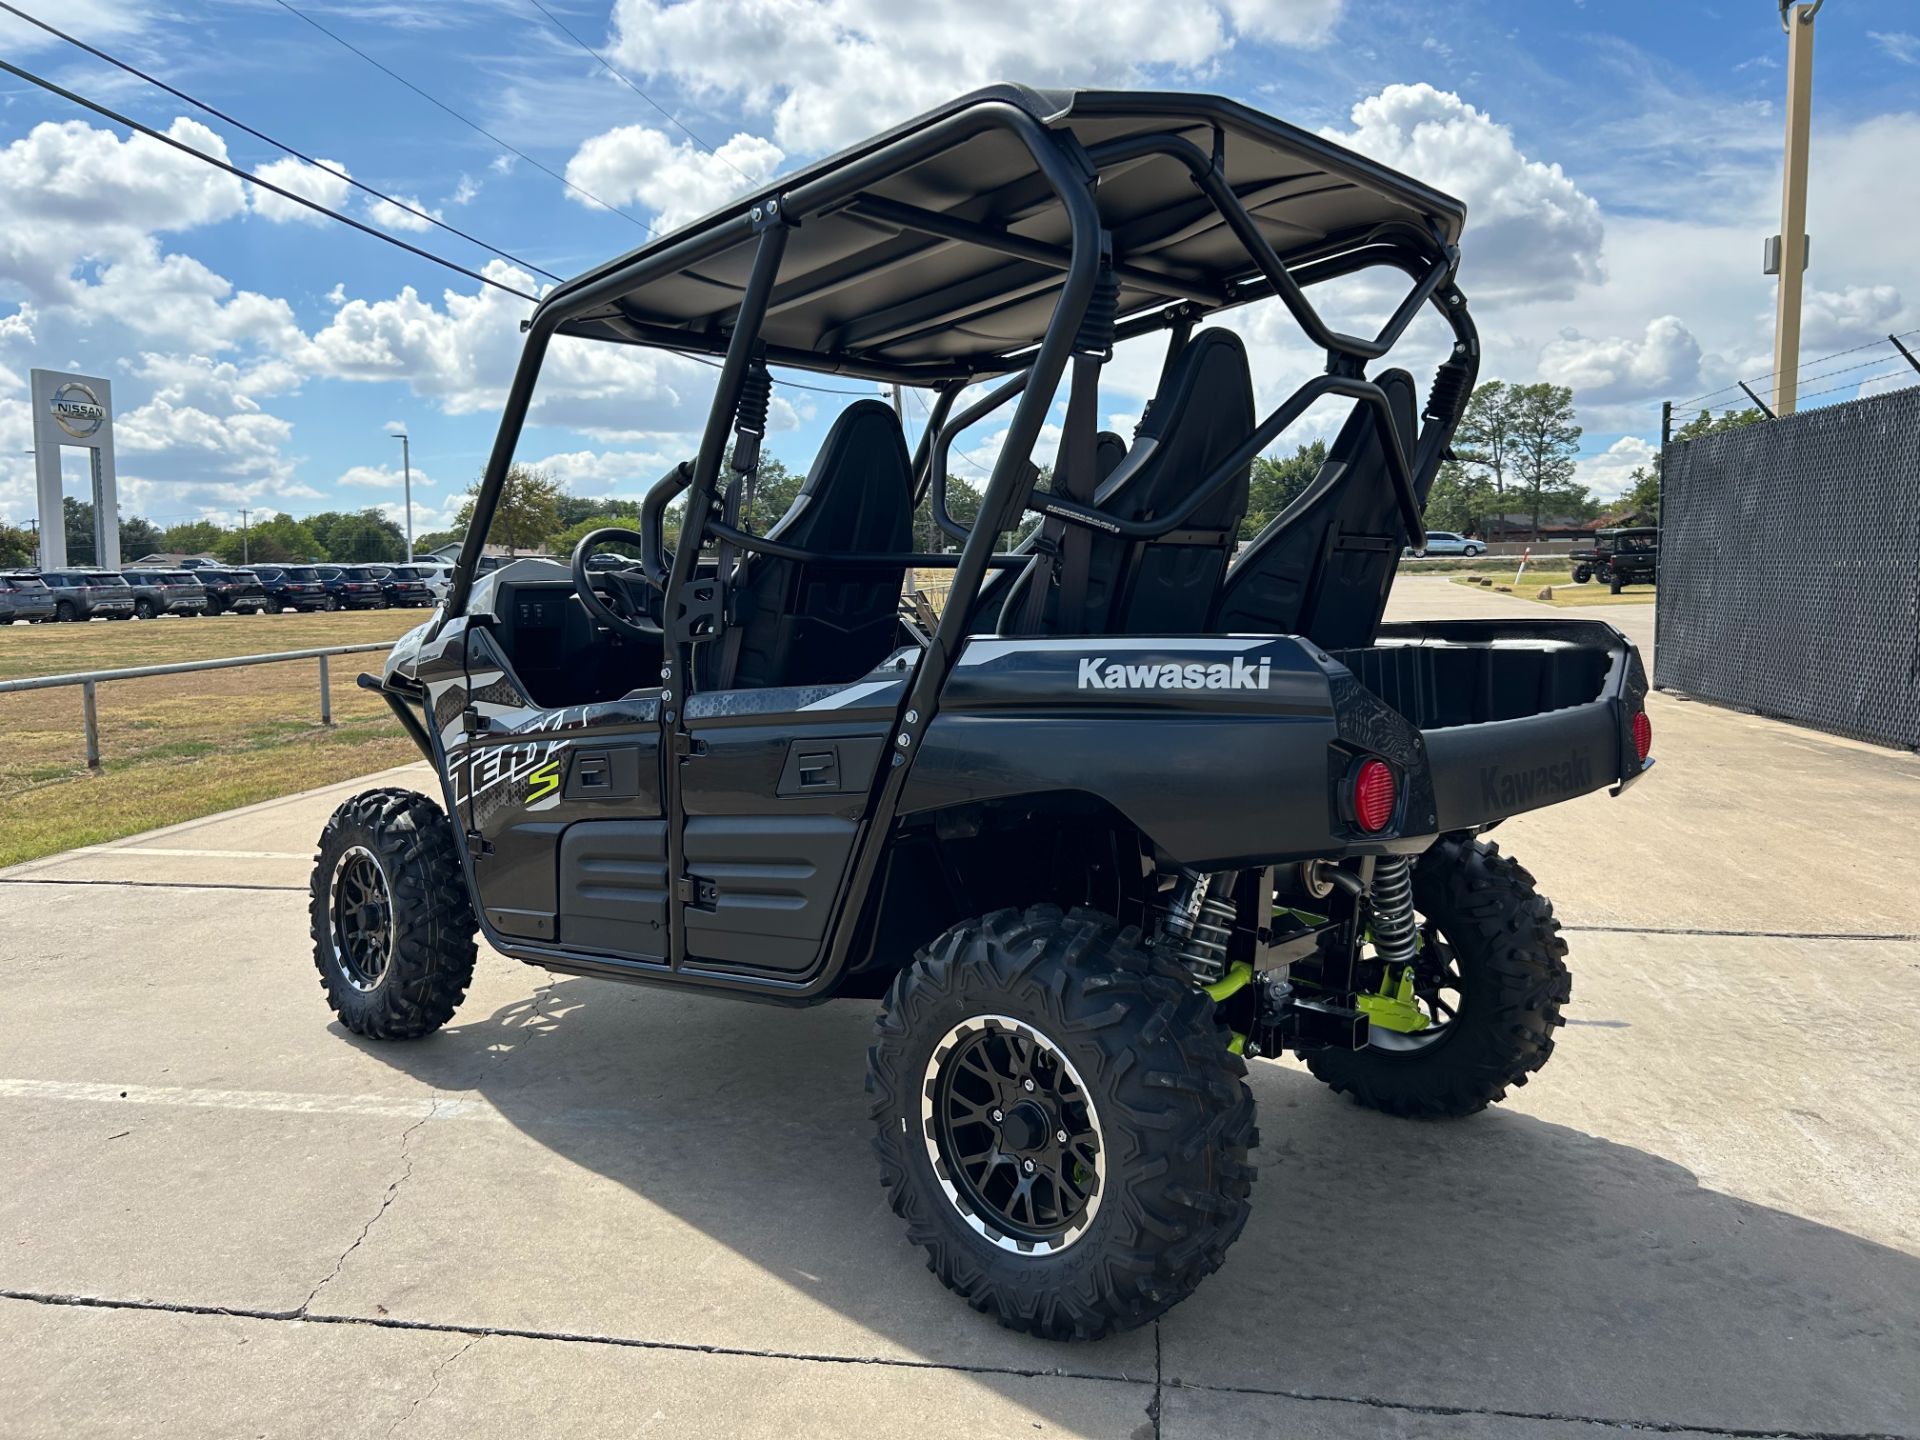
(1071, 170)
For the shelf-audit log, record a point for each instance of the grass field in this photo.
(1566, 594)
(177, 747)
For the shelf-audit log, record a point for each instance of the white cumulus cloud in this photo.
(1531, 231)
(678, 182)
(841, 69)
(1662, 360)
(324, 184)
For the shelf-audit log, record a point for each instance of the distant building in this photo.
(450, 552)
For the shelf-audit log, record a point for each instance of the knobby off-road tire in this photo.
(387, 864)
(1174, 1119)
(1512, 965)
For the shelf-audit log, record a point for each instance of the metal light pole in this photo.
(246, 554)
(1787, 255)
(406, 464)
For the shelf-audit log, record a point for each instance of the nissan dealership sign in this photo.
(77, 410)
(74, 412)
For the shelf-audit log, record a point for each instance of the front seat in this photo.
(812, 622)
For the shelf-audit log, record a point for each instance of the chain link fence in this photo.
(1790, 568)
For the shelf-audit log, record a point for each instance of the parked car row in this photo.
(146, 593)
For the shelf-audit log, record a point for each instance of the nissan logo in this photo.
(78, 410)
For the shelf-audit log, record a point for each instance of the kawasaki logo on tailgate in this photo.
(1509, 789)
(1097, 674)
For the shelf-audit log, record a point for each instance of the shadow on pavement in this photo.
(1500, 1263)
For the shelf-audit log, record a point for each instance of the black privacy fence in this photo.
(1790, 568)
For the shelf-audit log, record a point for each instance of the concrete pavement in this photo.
(584, 1207)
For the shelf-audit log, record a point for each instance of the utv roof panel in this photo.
(940, 244)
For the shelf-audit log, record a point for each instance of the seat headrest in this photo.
(1213, 357)
(867, 445)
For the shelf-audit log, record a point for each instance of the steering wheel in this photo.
(636, 624)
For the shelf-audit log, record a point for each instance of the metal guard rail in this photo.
(88, 680)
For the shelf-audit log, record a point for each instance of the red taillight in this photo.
(1373, 795)
(1642, 733)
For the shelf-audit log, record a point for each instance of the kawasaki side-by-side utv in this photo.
(1134, 806)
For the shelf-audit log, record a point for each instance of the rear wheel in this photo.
(1059, 1122)
(333, 602)
(392, 926)
(144, 609)
(63, 611)
(1615, 584)
(1487, 986)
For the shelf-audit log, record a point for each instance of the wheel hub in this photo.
(1012, 1135)
(361, 908)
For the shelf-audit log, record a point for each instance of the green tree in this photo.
(79, 526)
(1277, 482)
(1486, 439)
(191, 537)
(528, 510)
(366, 536)
(16, 544)
(1707, 423)
(1460, 501)
(138, 537)
(562, 543)
(276, 538)
(1544, 441)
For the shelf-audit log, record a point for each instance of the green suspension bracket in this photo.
(1394, 1006)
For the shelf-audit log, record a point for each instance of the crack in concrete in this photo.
(1155, 1407)
(433, 1384)
(393, 1191)
(1158, 1384)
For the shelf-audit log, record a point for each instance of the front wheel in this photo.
(1060, 1122)
(1488, 982)
(392, 926)
(1582, 574)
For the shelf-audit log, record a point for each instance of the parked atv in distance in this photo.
(1618, 558)
(1130, 810)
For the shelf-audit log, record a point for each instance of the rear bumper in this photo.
(27, 610)
(1487, 759)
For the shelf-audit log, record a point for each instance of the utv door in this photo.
(563, 812)
(773, 785)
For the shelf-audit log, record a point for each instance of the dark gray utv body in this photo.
(1135, 801)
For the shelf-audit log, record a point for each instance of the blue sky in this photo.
(1620, 161)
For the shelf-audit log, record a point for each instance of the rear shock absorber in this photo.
(1197, 924)
(1396, 934)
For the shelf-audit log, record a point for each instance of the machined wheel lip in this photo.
(355, 970)
(965, 1201)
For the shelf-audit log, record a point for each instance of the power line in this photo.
(464, 120)
(239, 124)
(609, 67)
(165, 139)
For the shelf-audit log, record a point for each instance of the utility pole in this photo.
(1787, 255)
(406, 462)
(246, 557)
